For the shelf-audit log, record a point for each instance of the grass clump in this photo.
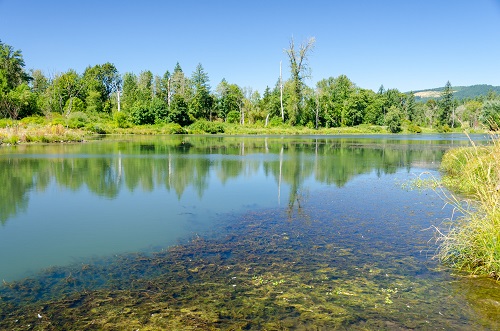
(473, 242)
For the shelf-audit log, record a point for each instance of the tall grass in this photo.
(472, 244)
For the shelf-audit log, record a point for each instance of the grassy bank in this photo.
(77, 126)
(473, 242)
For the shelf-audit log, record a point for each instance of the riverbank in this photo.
(56, 128)
(472, 244)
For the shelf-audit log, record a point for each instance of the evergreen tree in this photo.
(202, 102)
(446, 106)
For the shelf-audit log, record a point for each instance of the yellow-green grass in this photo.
(473, 242)
(44, 134)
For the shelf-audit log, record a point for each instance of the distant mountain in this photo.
(460, 92)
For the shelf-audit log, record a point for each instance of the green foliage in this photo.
(94, 102)
(233, 117)
(413, 128)
(12, 66)
(276, 122)
(33, 120)
(446, 105)
(179, 111)
(77, 120)
(74, 105)
(142, 114)
(444, 128)
(98, 128)
(20, 102)
(490, 114)
(203, 126)
(393, 120)
(229, 98)
(121, 119)
(159, 109)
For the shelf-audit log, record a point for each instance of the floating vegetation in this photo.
(265, 270)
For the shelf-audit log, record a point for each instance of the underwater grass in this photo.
(472, 244)
(268, 271)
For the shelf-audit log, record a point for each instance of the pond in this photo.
(221, 232)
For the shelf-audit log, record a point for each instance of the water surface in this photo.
(314, 226)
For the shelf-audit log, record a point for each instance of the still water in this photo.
(292, 220)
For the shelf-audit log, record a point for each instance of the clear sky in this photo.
(408, 45)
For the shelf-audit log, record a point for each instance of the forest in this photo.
(102, 99)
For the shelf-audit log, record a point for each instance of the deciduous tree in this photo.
(299, 70)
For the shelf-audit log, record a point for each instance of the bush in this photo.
(33, 120)
(6, 122)
(233, 117)
(444, 129)
(121, 120)
(413, 128)
(276, 121)
(203, 126)
(97, 128)
(174, 128)
(77, 120)
(141, 114)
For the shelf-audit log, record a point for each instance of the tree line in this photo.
(175, 97)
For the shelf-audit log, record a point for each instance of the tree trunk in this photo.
(118, 99)
(281, 96)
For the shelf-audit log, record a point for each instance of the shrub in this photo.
(121, 120)
(233, 117)
(444, 129)
(77, 120)
(142, 114)
(413, 128)
(6, 122)
(203, 126)
(276, 121)
(97, 128)
(33, 120)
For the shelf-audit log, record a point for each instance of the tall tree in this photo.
(65, 89)
(229, 98)
(202, 102)
(446, 105)
(145, 86)
(101, 81)
(12, 66)
(130, 90)
(299, 70)
(179, 83)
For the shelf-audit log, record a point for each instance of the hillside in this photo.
(460, 92)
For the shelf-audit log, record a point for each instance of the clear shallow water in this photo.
(334, 203)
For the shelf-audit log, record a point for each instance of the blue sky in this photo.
(408, 45)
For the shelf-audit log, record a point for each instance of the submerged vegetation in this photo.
(473, 242)
(268, 270)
